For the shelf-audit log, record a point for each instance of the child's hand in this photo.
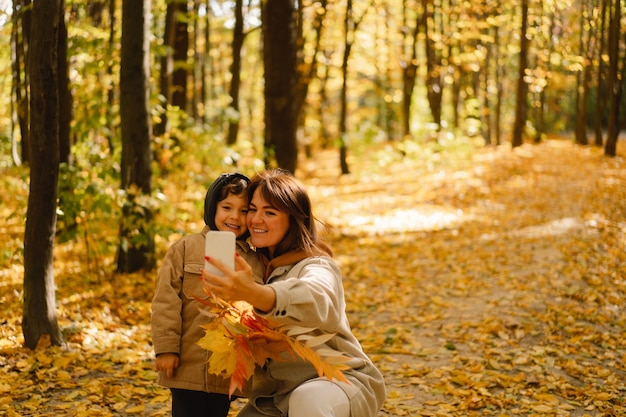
(166, 362)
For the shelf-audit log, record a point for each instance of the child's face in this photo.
(231, 214)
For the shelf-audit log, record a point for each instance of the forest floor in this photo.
(485, 282)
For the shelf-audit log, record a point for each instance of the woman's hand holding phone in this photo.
(230, 277)
(226, 274)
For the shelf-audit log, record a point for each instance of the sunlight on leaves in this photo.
(491, 282)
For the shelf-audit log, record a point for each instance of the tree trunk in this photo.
(21, 41)
(408, 65)
(166, 69)
(279, 59)
(499, 88)
(388, 108)
(136, 250)
(204, 64)
(65, 95)
(542, 105)
(522, 87)
(39, 313)
(349, 29)
(351, 25)
(614, 84)
(324, 101)
(601, 77)
(306, 62)
(17, 87)
(235, 73)
(434, 86)
(196, 65)
(111, 88)
(582, 84)
(181, 49)
(485, 113)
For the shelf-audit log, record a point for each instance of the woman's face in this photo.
(230, 214)
(267, 225)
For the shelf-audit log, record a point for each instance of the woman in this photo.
(303, 287)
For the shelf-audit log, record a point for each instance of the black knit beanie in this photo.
(212, 195)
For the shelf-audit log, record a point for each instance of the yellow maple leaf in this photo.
(221, 348)
(239, 340)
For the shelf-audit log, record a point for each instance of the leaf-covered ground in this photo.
(487, 282)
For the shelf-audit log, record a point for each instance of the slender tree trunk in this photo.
(343, 113)
(136, 250)
(279, 58)
(351, 25)
(614, 83)
(455, 92)
(181, 48)
(349, 29)
(21, 26)
(111, 89)
(235, 73)
(324, 101)
(543, 62)
(434, 85)
(205, 65)
(485, 115)
(167, 68)
(386, 119)
(211, 71)
(65, 95)
(582, 83)
(39, 313)
(522, 87)
(17, 87)
(307, 68)
(499, 88)
(408, 65)
(393, 128)
(196, 66)
(601, 77)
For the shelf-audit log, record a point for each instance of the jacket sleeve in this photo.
(167, 302)
(310, 296)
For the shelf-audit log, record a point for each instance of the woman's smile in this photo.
(267, 225)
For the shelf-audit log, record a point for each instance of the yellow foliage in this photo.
(489, 283)
(239, 340)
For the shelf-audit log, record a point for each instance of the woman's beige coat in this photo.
(310, 294)
(175, 317)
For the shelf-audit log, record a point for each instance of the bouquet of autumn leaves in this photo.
(239, 340)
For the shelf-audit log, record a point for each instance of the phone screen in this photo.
(219, 245)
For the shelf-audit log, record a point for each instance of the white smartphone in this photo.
(219, 245)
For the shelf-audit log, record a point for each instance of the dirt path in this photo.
(491, 295)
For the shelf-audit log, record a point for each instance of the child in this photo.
(176, 319)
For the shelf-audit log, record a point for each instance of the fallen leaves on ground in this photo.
(484, 283)
(491, 286)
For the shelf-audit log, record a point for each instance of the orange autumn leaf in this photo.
(239, 340)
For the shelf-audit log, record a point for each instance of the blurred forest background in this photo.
(107, 105)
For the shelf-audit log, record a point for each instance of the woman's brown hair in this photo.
(284, 192)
